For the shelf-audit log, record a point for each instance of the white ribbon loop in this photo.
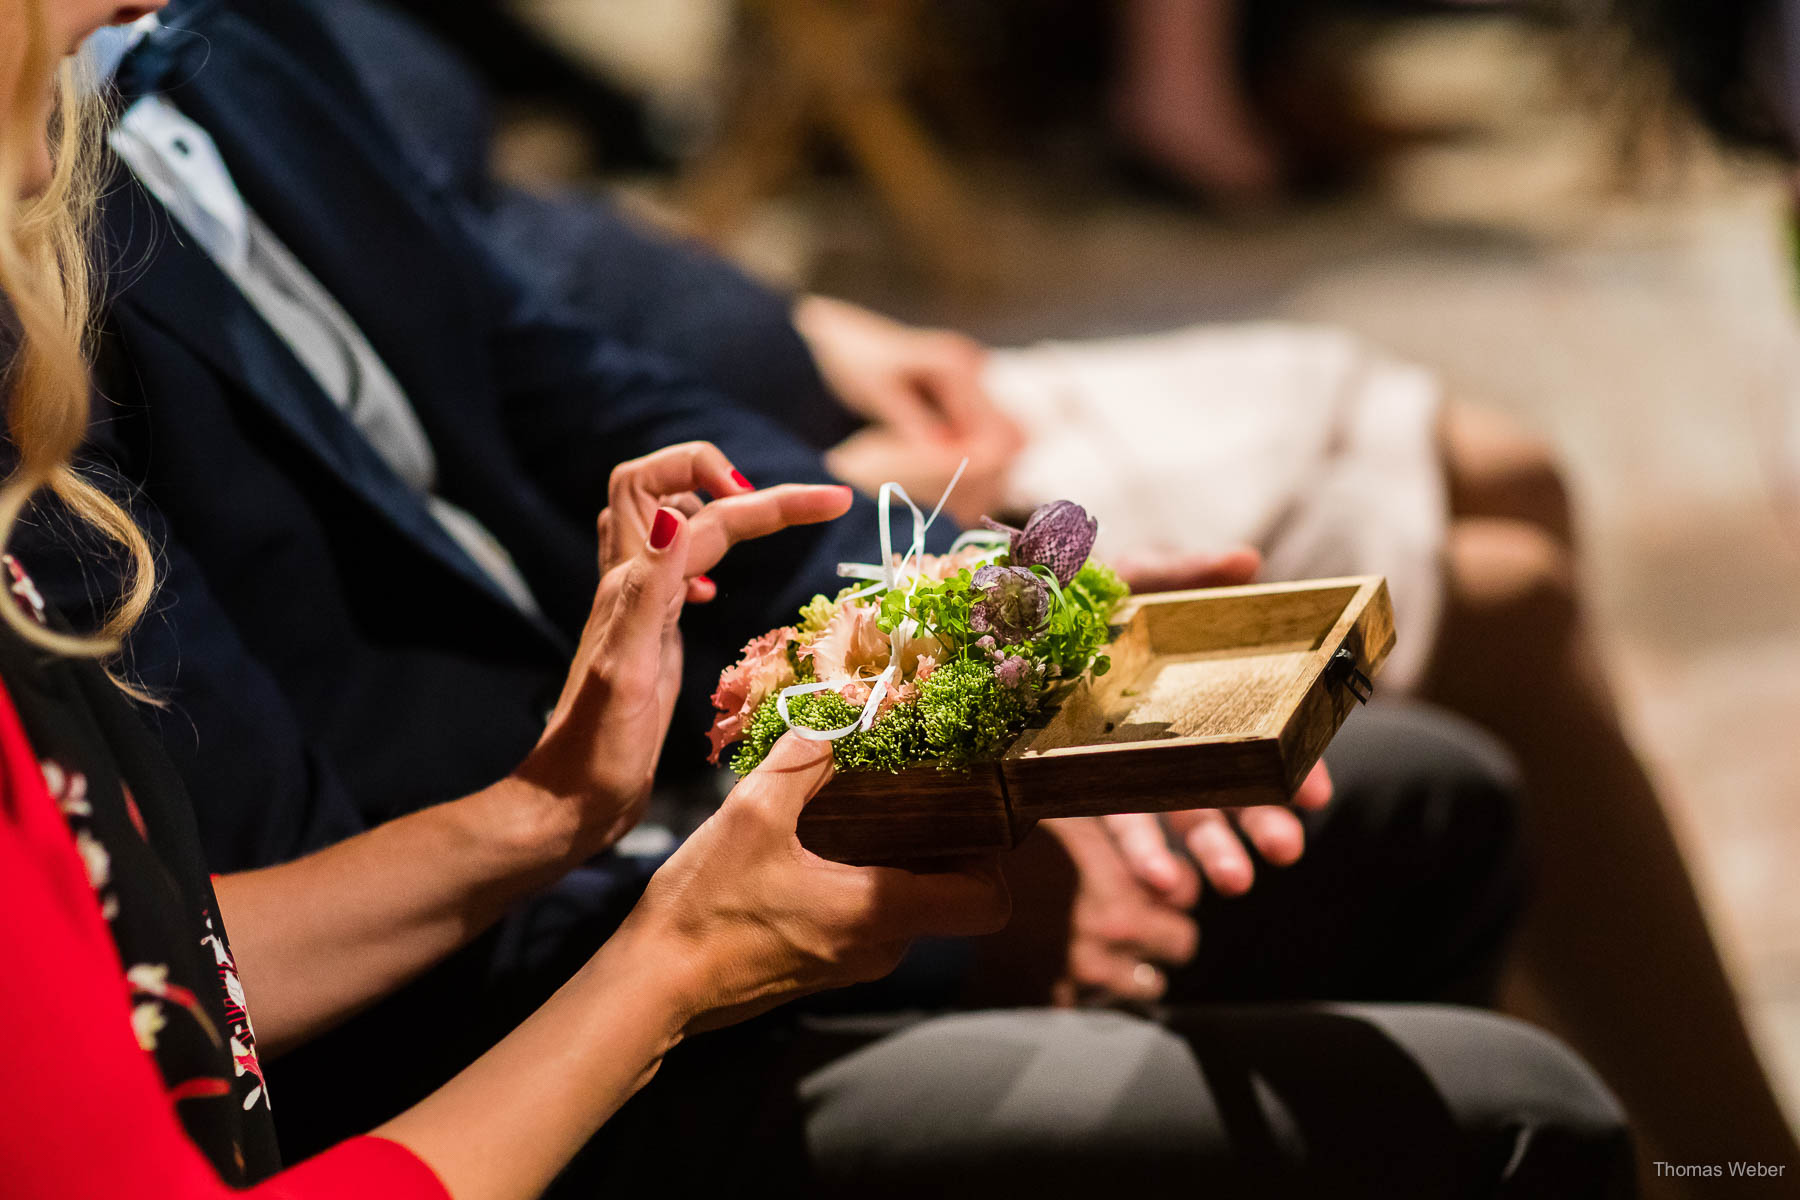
(889, 574)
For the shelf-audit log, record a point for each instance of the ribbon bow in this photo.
(889, 574)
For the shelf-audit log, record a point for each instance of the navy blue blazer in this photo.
(330, 657)
(643, 287)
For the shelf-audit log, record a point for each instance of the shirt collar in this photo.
(106, 48)
(178, 163)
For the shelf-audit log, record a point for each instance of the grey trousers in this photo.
(1302, 1054)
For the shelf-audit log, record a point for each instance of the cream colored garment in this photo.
(1306, 442)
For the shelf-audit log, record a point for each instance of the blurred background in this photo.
(1477, 189)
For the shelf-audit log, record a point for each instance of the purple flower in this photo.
(1014, 671)
(1059, 535)
(1013, 605)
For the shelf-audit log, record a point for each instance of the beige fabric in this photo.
(1306, 442)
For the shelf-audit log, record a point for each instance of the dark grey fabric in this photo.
(1329, 1101)
(1246, 1085)
(1338, 1101)
(1411, 880)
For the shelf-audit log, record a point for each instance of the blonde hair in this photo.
(46, 275)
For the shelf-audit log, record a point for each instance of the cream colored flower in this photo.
(95, 858)
(853, 649)
(146, 1022)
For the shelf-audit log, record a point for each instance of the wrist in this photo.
(654, 966)
(531, 826)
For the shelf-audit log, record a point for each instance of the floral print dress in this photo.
(118, 955)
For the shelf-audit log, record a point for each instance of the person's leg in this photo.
(1410, 886)
(1496, 469)
(1615, 947)
(1179, 99)
(1339, 1101)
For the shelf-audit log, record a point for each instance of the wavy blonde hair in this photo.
(46, 277)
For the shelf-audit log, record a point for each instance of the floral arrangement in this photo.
(943, 659)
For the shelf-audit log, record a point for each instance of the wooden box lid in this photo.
(1216, 698)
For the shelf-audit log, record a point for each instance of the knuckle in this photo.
(735, 821)
(1115, 928)
(622, 474)
(634, 586)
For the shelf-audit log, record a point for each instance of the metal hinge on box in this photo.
(1343, 669)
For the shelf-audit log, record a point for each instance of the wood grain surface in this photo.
(1217, 698)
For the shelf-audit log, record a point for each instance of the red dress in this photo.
(116, 1080)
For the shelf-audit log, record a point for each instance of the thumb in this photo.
(792, 774)
(1177, 572)
(651, 586)
(902, 403)
(955, 389)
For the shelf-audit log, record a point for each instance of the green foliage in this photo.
(893, 743)
(963, 713)
(967, 714)
(1078, 622)
(941, 607)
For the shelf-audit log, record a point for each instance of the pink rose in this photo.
(761, 672)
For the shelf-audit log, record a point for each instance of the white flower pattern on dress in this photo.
(70, 791)
(146, 1022)
(243, 1037)
(22, 587)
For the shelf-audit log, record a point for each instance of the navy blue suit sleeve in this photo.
(672, 298)
(260, 792)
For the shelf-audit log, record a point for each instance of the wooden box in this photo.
(1216, 698)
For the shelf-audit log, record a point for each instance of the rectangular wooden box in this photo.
(1216, 698)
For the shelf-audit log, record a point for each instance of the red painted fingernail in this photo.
(706, 579)
(738, 478)
(662, 530)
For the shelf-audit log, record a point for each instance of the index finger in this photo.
(1276, 833)
(1179, 572)
(686, 467)
(724, 523)
(1316, 789)
(953, 383)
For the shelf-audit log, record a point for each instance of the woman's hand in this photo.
(658, 539)
(746, 917)
(321, 936)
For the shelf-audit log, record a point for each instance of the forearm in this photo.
(318, 938)
(508, 1123)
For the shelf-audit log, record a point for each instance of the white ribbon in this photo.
(889, 574)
